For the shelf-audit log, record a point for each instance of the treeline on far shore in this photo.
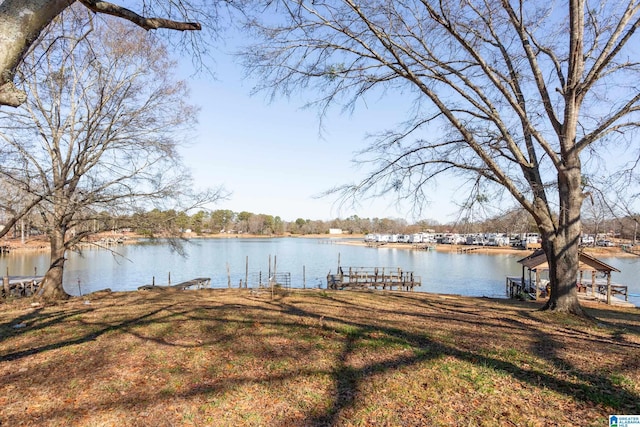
(223, 221)
(230, 222)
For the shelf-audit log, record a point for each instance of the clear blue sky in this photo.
(274, 158)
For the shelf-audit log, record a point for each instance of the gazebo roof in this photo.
(538, 261)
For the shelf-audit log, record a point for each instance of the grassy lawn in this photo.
(315, 358)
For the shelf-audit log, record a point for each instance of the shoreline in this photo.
(41, 244)
(604, 252)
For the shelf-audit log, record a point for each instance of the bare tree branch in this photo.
(108, 8)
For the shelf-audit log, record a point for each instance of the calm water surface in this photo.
(308, 261)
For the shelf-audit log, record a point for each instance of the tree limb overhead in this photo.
(100, 6)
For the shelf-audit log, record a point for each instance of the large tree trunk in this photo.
(21, 21)
(562, 244)
(563, 274)
(51, 287)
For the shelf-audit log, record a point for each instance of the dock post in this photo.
(5, 286)
(275, 272)
(246, 272)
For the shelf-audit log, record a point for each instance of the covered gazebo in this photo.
(537, 262)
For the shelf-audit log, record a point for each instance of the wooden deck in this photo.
(372, 278)
(516, 288)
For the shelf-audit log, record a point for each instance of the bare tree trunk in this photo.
(563, 274)
(51, 288)
(562, 249)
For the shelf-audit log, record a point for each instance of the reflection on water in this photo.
(308, 260)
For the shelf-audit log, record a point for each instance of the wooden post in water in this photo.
(246, 272)
(5, 284)
(304, 278)
(228, 276)
(274, 274)
(169, 279)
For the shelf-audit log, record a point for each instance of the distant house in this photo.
(335, 231)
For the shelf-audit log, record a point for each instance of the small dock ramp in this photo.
(197, 283)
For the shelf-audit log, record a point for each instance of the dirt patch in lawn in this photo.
(315, 358)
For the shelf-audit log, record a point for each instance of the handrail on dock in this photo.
(601, 291)
(372, 277)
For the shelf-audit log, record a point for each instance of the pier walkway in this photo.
(372, 277)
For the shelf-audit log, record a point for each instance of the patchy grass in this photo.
(314, 358)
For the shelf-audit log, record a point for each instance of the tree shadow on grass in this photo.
(349, 331)
(589, 388)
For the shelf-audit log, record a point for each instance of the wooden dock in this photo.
(424, 246)
(467, 249)
(198, 283)
(631, 249)
(603, 292)
(20, 286)
(613, 290)
(375, 244)
(516, 288)
(372, 278)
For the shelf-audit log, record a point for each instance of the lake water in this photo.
(307, 260)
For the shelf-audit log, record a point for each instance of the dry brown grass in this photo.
(231, 357)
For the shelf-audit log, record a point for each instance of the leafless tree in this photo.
(98, 133)
(21, 21)
(513, 94)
